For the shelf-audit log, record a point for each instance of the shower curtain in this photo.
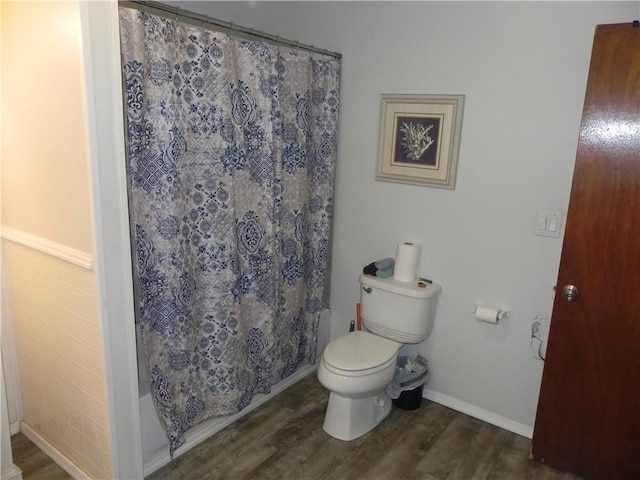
(231, 151)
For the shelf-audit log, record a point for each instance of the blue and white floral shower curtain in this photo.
(231, 151)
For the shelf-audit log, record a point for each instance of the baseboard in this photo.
(55, 455)
(14, 427)
(479, 413)
(14, 474)
(211, 427)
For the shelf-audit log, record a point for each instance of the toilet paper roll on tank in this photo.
(406, 263)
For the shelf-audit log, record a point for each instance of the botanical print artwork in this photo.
(417, 140)
(231, 152)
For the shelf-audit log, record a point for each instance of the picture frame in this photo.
(419, 139)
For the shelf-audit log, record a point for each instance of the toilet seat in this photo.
(359, 353)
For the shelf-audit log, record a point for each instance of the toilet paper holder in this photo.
(485, 313)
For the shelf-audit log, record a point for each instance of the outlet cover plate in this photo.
(548, 224)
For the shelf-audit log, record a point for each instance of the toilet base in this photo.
(350, 418)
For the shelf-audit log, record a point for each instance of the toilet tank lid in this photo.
(410, 289)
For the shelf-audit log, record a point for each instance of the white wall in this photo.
(50, 289)
(523, 68)
(44, 145)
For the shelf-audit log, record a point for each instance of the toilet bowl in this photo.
(357, 367)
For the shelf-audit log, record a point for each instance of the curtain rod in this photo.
(169, 11)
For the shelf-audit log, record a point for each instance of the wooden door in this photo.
(588, 419)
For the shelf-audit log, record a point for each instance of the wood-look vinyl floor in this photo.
(283, 439)
(34, 463)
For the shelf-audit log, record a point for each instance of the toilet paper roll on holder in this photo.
(490, 314)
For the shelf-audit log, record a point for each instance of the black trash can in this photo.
(410, 399)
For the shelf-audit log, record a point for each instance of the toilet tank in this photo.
(400, 311)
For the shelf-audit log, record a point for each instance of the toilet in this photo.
(357, 367)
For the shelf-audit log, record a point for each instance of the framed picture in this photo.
(420, 139)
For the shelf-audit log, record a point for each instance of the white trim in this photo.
(479, 413)
(101, 45)
(207, 429)
(8, 470)
(14, 474)
(10, 368)
(49, 247)
(70, 467)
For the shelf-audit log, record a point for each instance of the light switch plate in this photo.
(548, 224)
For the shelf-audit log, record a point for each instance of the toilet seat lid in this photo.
(359, 351)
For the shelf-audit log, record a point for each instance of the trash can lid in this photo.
(360, 351)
